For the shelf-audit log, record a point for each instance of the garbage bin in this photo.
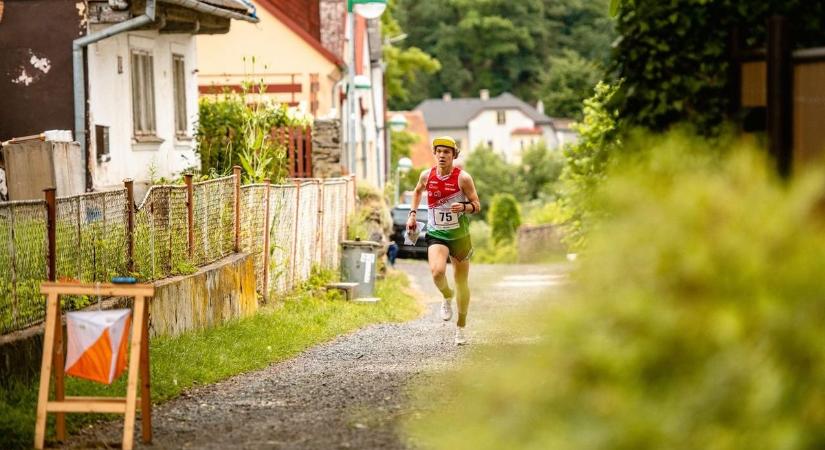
(358, 259)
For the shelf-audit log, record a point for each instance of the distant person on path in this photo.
(392, 252)
(451, 195)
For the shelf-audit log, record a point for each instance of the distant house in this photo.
(128, 91)
(289, 59)
(505, 123)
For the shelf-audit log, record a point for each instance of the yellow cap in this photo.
(445, 141)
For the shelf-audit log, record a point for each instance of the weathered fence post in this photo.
(291, 151)
(236, 171)
(295, 236)
(780, 94)
(190, 215)
(299, 144)
(51, 226)
(308, 147)
(321, 234)
(130, 225)
(266, 241)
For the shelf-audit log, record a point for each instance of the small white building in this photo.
(143, 96)
(505, 123)
(121, 75)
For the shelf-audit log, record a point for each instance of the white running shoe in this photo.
(447, 309)
(460, 338)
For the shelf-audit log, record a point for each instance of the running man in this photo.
(451, 195)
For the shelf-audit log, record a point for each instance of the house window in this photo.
(143, 93)
(102, 143)
(501, 117)
(179, 74)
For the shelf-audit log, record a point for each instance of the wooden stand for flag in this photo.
(53, 356)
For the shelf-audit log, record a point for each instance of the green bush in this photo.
(234, 129)
(485, 250)
(694, 321)
(586, 164)
(504, 217)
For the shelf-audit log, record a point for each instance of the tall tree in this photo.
(505, 45)
(404, 65)
(568, 80)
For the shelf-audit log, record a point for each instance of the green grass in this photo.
(306, 318)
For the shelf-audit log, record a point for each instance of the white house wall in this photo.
(110, 104)
(462, 138)
(484, 128)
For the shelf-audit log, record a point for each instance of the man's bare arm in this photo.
(419, 188)
(465, 182)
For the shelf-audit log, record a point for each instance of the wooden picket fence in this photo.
(298, 141)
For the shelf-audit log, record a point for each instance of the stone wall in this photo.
(535, 242)
(326, 149)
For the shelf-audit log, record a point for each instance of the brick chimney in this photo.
(446, 96)
(484, 94)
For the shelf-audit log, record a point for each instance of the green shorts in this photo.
(461, 249)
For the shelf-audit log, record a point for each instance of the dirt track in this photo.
(348, 393)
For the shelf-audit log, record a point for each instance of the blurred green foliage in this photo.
(504, 217)
(586, 164)
(674, 56)
(695, 319)
(485, 250)
(492, 175)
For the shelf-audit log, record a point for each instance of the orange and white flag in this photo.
(96, 344)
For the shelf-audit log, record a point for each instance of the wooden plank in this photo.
(52, 313)
(83, 398)
(59, 369)
(134, 365)
(291, 152)
(308, 159)
(86, 407)
(145, 382)
(104, 289)
(300, 151)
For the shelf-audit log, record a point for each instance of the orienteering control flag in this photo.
(96, 344)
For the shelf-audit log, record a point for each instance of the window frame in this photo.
(501, 117)
(144, 111)
(179, 97)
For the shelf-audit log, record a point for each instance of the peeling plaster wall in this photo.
(110, 104)
(211, 296)
(36, 65)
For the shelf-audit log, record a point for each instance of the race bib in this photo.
(444, 218)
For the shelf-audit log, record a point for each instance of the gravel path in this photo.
(348, 393)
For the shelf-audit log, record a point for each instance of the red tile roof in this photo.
(528, 131)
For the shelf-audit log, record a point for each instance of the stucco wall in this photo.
(214, 294)
(277, 50)
(110, 104)
(484, 127)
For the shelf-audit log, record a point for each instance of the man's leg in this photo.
(437, 256)
(462, 272)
